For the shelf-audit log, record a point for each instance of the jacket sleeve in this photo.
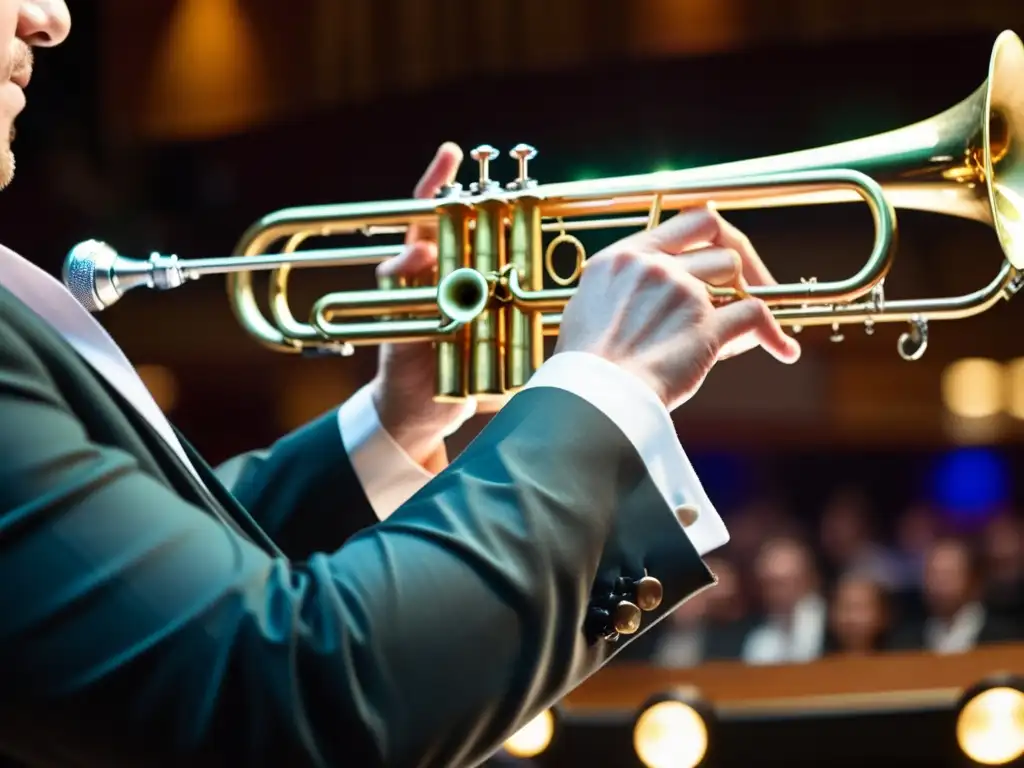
(303, 490)
(137, 630)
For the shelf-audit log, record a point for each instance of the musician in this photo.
(154, 614)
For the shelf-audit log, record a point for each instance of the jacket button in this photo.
(598, 625)
(649, 593)
(626, 618)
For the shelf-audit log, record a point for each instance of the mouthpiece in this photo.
(97, 276)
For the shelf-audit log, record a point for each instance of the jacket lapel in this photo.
(220, 498)
(111, 419)
(204, 488)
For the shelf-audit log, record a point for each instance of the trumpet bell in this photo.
(1003, 151)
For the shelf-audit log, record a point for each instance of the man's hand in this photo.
(403, 390)
(643, 304)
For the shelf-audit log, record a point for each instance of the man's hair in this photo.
(865, 576)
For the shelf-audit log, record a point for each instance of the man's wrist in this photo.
(422, 442)
(388, 475)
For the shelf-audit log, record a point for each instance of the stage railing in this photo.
(885, 709)
(840, 681)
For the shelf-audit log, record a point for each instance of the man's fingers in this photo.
(734, 320)
(730, 236)
(417, 260)
(688, 228)
(441, 171)
(714, 266)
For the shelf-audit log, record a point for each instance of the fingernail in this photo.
(449, 147)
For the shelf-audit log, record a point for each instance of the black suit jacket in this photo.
(148, 621)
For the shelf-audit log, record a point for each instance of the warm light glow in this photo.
(990, 729)
(1015, 388)
(533, 738)
(974, 388)
(659, 27)
(162, 385)
(670, 734)
(311, 391)
(209, 75)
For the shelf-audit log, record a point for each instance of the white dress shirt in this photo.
(959, 634)
(387, 473)
(793, 639)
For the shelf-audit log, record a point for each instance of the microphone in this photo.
(98, 276)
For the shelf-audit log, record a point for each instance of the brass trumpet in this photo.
(488, 309)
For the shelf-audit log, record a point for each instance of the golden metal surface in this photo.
(626, 618)
(488, 309)
(649, 593)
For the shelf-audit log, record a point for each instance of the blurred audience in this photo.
(781, 601)
(711, 626)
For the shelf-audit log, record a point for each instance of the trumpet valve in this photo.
(483, 155)
(523, 154)
(449, 190)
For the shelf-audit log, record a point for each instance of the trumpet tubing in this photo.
(496, 293)
(489, 309)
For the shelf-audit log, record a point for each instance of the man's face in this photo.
(857, 614)
(948, 579)
(785, 575)
(23, 24)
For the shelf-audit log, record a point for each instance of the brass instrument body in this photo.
(487, 310)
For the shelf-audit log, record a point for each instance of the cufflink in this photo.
(687, 514)
(648, 593)
(626, 618)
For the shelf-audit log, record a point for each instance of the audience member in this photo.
(1003, 553)
(916, 530)
(859, 616)
(795, 613)
(956, 617)
(848, 540)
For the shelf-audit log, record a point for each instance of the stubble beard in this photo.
(7, 159)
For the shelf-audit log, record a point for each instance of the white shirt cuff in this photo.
(640, 414)
(388, 474)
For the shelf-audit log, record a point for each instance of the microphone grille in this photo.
(80, 273)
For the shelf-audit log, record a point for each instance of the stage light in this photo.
(974, 388)
(672, 731)
(534, 737)
(990, 722)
